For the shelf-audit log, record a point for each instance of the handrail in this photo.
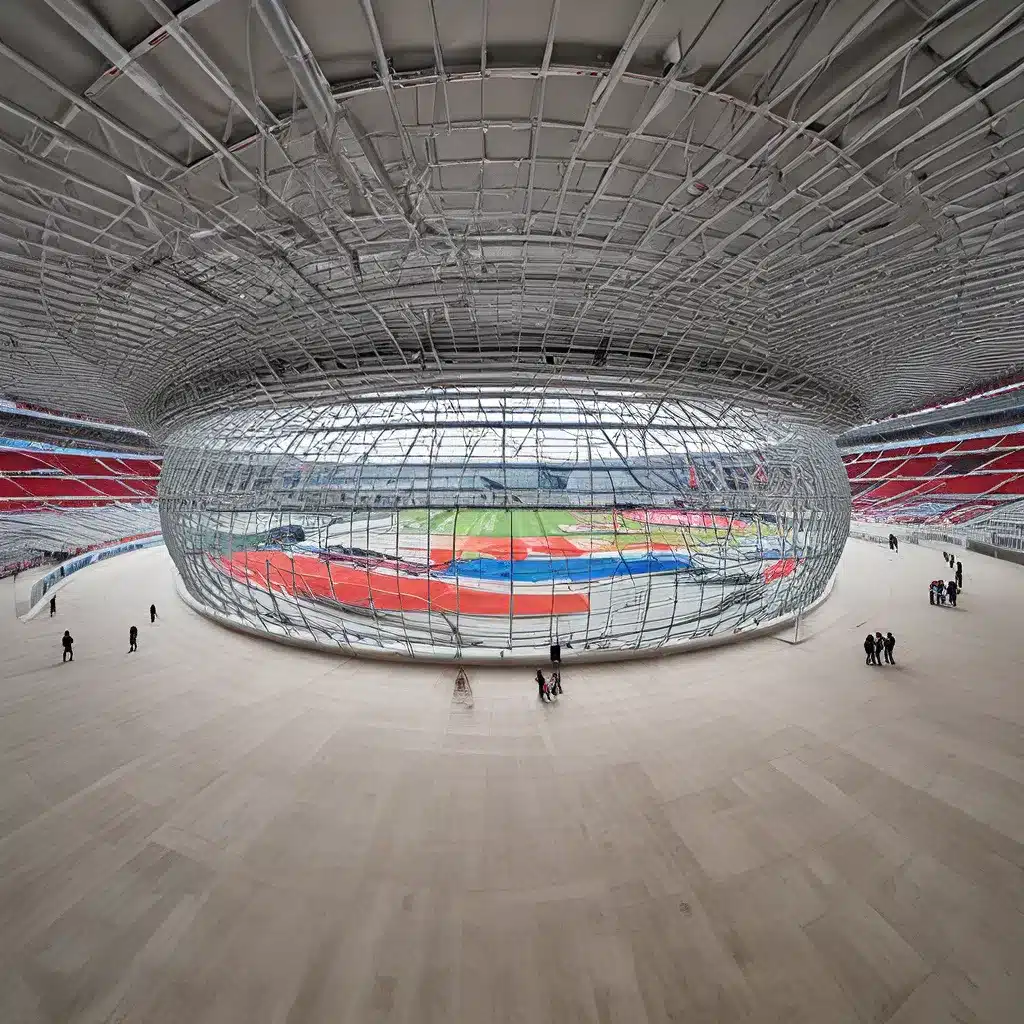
(995, 543)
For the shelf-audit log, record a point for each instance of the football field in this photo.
(489, 522)
(612, 528)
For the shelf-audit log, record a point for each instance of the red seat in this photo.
(972, 483)
(1012, 460)
(19, 462)
(10, 488)
(978, 444)
(55, 487)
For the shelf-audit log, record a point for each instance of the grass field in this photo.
(487, 522)
(550, 522)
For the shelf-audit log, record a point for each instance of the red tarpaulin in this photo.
(387, 590)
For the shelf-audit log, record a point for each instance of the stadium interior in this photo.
(451, 453)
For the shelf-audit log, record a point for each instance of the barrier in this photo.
(983, 542)
(46, 586)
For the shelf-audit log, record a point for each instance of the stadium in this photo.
(511, 511)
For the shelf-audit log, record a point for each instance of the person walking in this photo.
(542, 685)
(895, 544)
(67, 641)
(556, 682)
(133, 639)
(959, 575)
(152, 613)
(53, 606)
(951, 591)
(879, 648)
(869, 650)
(890, 646)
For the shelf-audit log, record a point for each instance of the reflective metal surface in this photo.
(814, 206)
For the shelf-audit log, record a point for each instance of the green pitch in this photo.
(487, 522)
(554, 522)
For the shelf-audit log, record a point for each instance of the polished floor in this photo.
(218, 829)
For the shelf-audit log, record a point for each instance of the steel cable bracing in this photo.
(467, 524)
(806, 208)
(454, 321)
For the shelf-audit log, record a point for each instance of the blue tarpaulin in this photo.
(572, 570)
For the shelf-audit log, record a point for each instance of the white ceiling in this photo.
(811, 205)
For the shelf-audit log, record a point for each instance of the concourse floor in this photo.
(219, 830)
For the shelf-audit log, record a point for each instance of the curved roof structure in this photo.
(813, 204)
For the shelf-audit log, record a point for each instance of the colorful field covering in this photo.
(305, 576)
(494, 562)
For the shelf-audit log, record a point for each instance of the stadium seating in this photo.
(66, 500)
(952, 481)
(40, 479)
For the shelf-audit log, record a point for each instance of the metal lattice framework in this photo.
(813, 202)
(214, 208)
(469, 525)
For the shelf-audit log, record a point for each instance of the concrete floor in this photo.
(218, 829)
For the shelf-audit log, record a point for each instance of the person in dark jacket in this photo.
(152, 613)
(959, 575)
(133, 639)
(951, 590)
(869, 650)
(67, 641)
(879, 648)
(53, 606)
(890, 646)
(541, 686)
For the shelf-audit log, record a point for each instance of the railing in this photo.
(998, 541)
(25, 607)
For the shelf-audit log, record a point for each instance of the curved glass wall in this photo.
(476, 526)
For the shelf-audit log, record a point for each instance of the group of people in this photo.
(549, 689)
(876, 646)
(67, 641)
(939, 591)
